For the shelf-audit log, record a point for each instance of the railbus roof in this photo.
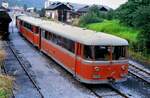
(81, 35)
(31, 20)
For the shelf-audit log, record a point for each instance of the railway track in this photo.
(22, 64)
(107, 91)
(140, 73)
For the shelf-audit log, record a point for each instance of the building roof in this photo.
(84, 36)
(0, 2)
(58, 5)
(4, 1)
(75, 6)
(2, 8)
(86, 8)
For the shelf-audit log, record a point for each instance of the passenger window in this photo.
(36, 30)
(60, 41)
(47, 35)
(21, 22)
(88, 52)
(28, 26)
(43, 33)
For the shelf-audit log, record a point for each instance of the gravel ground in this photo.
(23, 88)
(135, 88)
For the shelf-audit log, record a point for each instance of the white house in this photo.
(5, 3)
(58, 11)
(31, 9)
(47, 3)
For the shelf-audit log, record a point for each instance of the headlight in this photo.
(123, 67)
(96, 69)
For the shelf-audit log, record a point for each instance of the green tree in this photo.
(136, 13)
(91, 16)
(126, 12)
(142, 21)
(41, 12)
(110, 15)
(25, 7)
(35, 10)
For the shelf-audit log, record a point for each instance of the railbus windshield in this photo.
(105, 53)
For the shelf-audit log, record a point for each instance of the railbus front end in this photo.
(102, 64)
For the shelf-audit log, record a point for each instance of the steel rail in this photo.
(24, 68)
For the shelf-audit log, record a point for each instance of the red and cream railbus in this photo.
(92, 57)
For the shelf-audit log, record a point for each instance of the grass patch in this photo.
(5, 86)
(139, 57)
(115, 28)
(6, 82)
(2, 56)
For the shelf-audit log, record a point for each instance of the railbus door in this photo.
(40, 37)
(78, 52)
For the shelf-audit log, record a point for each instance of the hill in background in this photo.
(29, 3)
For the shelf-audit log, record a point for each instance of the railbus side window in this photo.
(46, 35)
(43, 33)
(68, 44)
(28, 26)
(63, 42)
(71, 46)
(21, 22)
(119, 52)
(36, 30)
(88, 53)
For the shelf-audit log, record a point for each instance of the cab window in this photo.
(102, 53)
(97, 53)
(119, 52)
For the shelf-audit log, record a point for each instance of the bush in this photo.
(136, 13)
(110, 15)
(139, 56)
(41, 12)
(142, 21)
(89, 18)
(92, 16)
(5, 86)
